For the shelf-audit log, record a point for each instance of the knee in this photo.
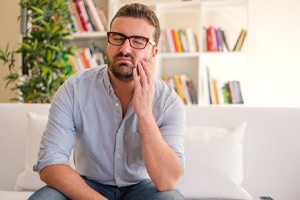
(49, 192)
(169, 195)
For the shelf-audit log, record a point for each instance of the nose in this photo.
(126, 47)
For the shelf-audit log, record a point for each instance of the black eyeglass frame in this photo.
(148, 40)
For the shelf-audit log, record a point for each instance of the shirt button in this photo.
(119, 155)
(117, 104)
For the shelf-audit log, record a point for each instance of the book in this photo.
(228, 94)
(170, 41)
(97, 53)
(94, 15)
(237, 92)
(176, 39)
(225, 94)
(211, 40)
(232, 94)
(83, 15)
(204, 96)
(90, 59)
(84, 60)
(224, 41)
(219, 39)
(178, 87)
(75, 17)
(208, 40)
(191, 40)
(208, 85)
(191, 89)
(74, 23)
(214, 91)
(71, 62)
(185, 91)
(102, 17)
(91, 20)
(240, 40)
(183, 40)
(79, 64)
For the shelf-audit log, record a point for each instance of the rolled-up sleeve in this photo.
(172, 121)
(59, 137)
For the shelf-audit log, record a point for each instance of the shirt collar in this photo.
(106, 80)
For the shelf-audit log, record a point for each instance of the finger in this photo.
(135, 77)
(143, 77)
(148, 72)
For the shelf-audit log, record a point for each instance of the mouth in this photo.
(124, 60)
(121, 58)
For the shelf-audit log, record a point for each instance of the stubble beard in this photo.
(122, 71)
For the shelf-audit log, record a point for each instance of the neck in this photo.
(121, 87)
(123, 90)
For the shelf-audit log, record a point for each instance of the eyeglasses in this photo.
(136, 42)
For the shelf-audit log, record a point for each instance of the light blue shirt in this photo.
(86, 115)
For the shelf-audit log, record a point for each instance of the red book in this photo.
(211, 40)
(76, 16)
(82, 14)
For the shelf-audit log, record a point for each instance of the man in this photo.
(126, 127)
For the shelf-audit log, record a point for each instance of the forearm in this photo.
(67, 181)
(162, 163)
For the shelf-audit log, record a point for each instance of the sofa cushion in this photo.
(13, 195)
(215, 169)
(28, 179)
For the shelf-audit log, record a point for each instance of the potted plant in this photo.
(44, 50)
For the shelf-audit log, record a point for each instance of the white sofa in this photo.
(271, 148)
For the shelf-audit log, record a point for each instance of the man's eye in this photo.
(138, 40)
(118, 38)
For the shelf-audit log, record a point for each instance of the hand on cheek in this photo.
(144, 88)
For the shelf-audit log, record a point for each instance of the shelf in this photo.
(178, 55)
(229, 15)
(87, 35)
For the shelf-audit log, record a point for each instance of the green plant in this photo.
(44, 49)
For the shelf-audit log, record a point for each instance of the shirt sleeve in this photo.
(173, 126)
(59, 137)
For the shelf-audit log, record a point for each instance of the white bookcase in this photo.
(230, 15)
(82, 39)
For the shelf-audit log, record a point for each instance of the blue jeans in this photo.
(145, 190)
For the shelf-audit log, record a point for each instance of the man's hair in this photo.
(138, 10)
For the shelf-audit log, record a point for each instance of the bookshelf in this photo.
(82, 38)
(231, 16)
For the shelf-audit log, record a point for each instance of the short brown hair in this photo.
(138, 10)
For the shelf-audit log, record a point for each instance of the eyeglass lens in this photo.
(137, 42)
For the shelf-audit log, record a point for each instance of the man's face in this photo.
(122, 59)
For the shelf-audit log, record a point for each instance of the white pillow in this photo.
(28, 179)
(214, 163)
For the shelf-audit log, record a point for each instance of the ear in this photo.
(154, 53)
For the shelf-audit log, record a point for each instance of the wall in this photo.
(9, 33)
(274, 57)
(274, 47)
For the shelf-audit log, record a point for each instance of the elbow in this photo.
(168, 181)
(166, 186)
(43, 176)
(46, 174)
